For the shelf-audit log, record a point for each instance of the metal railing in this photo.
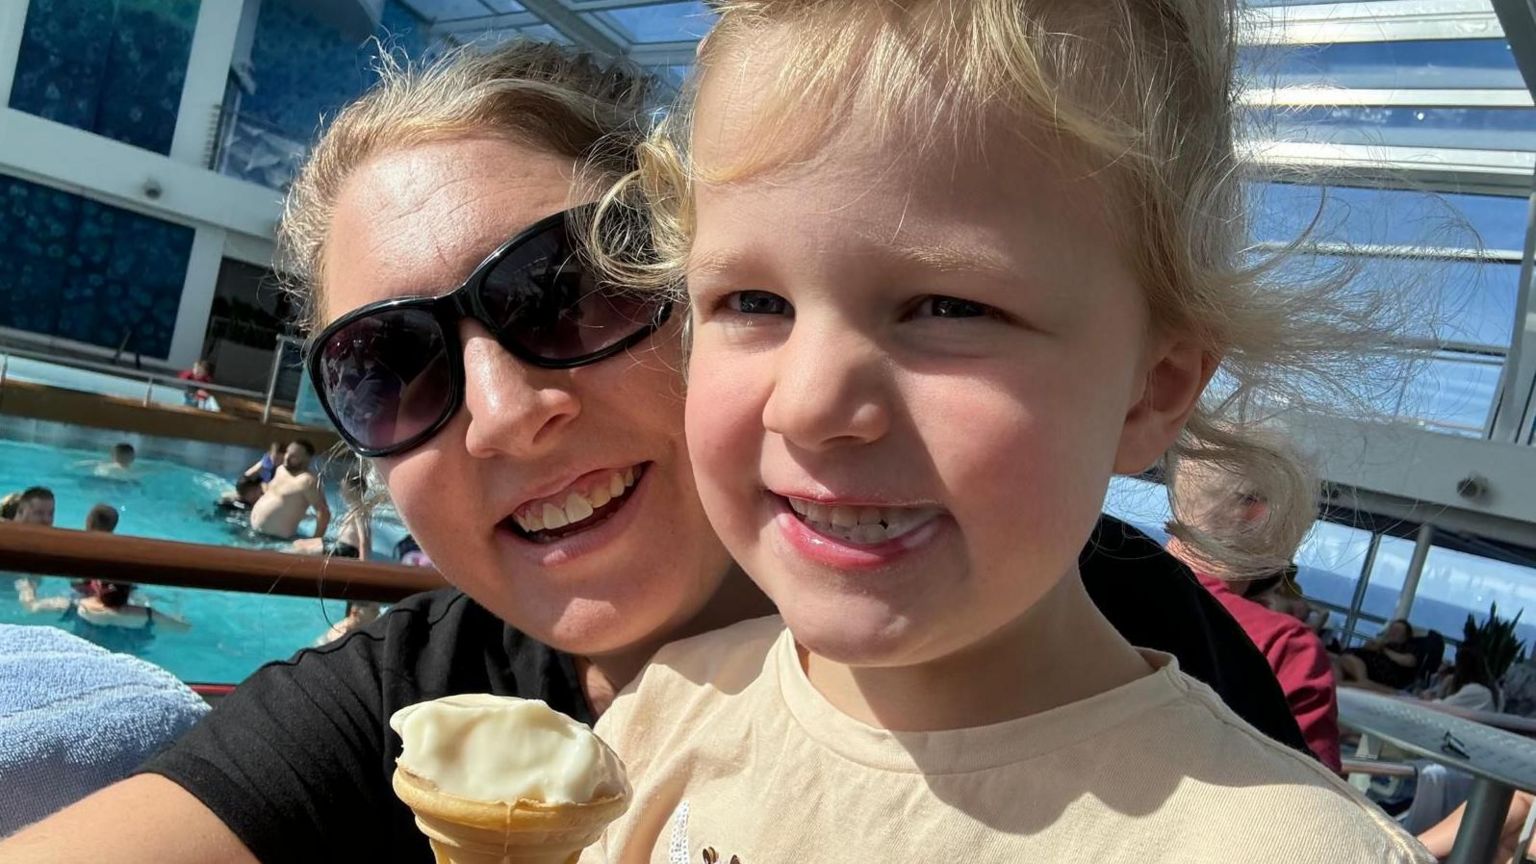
(118, 558)
(149, 379)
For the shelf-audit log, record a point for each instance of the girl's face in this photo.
(417, 222)
(912, 376)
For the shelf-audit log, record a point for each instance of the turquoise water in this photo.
(232, 633)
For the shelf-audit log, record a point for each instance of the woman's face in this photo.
(416, 222)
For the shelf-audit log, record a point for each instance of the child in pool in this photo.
(951, 265)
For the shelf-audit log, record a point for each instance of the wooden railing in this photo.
(91, 555)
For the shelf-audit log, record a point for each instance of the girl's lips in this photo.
(840, 554)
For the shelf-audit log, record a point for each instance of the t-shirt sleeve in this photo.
(1306, 675)
(285, 760)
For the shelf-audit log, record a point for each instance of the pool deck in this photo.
(38, 401)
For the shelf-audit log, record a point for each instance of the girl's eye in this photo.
(758, 303)
(952, 307)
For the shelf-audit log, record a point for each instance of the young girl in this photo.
(951, 265)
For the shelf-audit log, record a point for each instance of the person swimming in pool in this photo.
(356, 532)
(99, 602)
(294, 491)
(264, 470)
(248, 490)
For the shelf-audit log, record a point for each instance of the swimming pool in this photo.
(168, 494)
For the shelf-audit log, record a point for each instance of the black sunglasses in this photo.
(390, 374)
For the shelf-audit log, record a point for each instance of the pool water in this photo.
(232, 633)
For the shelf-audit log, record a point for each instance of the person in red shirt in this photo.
(200, 373)
(1212, 501)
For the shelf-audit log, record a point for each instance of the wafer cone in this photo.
(465, 831)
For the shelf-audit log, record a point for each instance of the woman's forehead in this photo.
(418, 220)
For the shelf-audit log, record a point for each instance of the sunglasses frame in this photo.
(448, 310)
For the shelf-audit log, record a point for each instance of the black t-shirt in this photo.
(297, 761)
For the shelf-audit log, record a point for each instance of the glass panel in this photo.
(301, 70)
(667, 22)
(1465, 128)
(112, 67)
(1450, 63)
(546, 33)
(1329, 563)
(1457, 583)
(1387, 578)
(1140, 503)
(82, 270)
(1447, 396)
(1281, 211)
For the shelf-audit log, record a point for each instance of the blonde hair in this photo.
(1211, 495)
(534, 93)
(1140, 94)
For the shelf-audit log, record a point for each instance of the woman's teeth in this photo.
(577, 507)
(867, 526)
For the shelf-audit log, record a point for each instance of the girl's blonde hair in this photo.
(542, 95)
(1141, 94)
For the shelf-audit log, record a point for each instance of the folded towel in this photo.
(75, 717)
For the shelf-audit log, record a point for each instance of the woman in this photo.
(498, 452)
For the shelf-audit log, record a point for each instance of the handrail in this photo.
(163, 379)
(1377, 768)
(63, 552)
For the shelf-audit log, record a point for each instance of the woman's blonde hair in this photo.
(542, 95)
(1141, 94)
(535, 93)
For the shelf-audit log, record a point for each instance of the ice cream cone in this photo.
(465, 831)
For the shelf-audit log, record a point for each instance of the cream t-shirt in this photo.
(732, 753)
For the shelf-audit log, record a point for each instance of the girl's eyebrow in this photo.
(952, 258)
(935, 257)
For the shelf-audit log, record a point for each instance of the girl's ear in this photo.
(1177, 372)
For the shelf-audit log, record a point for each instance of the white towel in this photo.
(75, 717)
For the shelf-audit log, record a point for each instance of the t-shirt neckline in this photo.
(961, 751)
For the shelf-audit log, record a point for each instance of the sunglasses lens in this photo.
(544, 300)
(386, 377)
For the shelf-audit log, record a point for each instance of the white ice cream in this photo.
(500, 748)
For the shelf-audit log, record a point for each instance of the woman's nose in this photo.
(514, 409)
(830, 390)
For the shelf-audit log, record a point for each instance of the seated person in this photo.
(246, 493)
(294, 491)
(1215, 503)
(356, 534)
(1387, 662)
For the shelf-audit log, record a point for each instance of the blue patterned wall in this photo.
(303, 70)
(113, 67)
(88, 271)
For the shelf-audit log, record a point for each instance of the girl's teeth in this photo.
(864, 525)
(616, 486)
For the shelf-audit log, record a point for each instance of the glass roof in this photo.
(1343, 103)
